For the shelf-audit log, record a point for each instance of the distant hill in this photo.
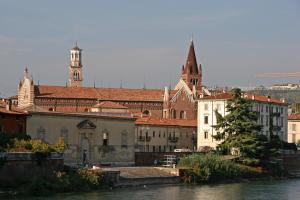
(291, 96)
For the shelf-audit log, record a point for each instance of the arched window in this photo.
(182, 114)
(76, 76)
(173, 113)
(51, 109)
(146, 112)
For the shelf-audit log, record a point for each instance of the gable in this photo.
(86, 124)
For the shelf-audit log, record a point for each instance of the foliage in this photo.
(80, 180)
(211, 167)
(7, 140)
(31, 146)
(239, 129)
(60, 145)
(239, 120)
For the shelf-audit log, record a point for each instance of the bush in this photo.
(210, 167)
(80, 180)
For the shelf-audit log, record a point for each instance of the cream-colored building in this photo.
(270, 110)
(90, 138)
(294, 129)
(165, 135)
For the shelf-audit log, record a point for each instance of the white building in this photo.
(267, 107)
(294, 128)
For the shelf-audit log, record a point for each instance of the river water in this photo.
(277, 189)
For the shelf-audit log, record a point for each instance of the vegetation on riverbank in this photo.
(212, 168)
(67, 181)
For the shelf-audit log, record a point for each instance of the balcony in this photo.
(144, 138)
(141, 138)
(173, 139)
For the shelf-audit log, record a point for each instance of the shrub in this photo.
(210, 167)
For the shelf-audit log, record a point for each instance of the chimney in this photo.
(282, 100)
(8, 105)
(269, 98)
(253, 97)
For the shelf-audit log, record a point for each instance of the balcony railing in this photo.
(173, 139)
(144, 138)
(141, 138)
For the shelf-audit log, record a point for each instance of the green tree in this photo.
(239, 129)
(239, 120)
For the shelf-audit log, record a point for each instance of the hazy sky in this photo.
(142, 40)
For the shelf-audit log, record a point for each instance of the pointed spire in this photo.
(191, 61)
(26, 72)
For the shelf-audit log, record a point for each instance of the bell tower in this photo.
(191, 74)
(75, 69)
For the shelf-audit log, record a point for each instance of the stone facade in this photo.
(90, 138)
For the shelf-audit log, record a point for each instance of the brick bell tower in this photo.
(75, 68)
(191, 74)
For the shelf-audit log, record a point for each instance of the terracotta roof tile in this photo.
(294, 116)
(165, 122)
(248, 96)
(110, 94)
(14, 110)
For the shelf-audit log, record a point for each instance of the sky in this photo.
(139, 42)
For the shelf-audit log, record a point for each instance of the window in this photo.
(159, 134)
(218, 107)
(124, 139)
(267, 109)
(153, 149)
(51, 109)
(1, 129)
(105, 139)
(64, 133)
(206, 106)
(41, 132)
(205, 134)
(146, 112)
(267, 120)
(173, 113)
(261, 119)
(294, 127)
(154, 134)
(182, 115)
(294, 138)
(76, 76)
(205, 119)
(159, 148)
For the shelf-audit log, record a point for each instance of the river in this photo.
(273, 190)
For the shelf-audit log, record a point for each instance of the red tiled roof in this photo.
(111, 94)
(294, 116)
(109, 104)
(248, 96)
(166, 122)
(14, 110)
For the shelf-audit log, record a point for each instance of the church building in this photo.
(177, 103)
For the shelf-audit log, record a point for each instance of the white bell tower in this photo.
(75, 76)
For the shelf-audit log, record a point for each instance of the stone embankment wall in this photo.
(19, 167)
(291, 162)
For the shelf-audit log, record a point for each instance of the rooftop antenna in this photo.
(76, 43)
(94, 84)
(121, 84)
(144, 84)
(38, 82)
